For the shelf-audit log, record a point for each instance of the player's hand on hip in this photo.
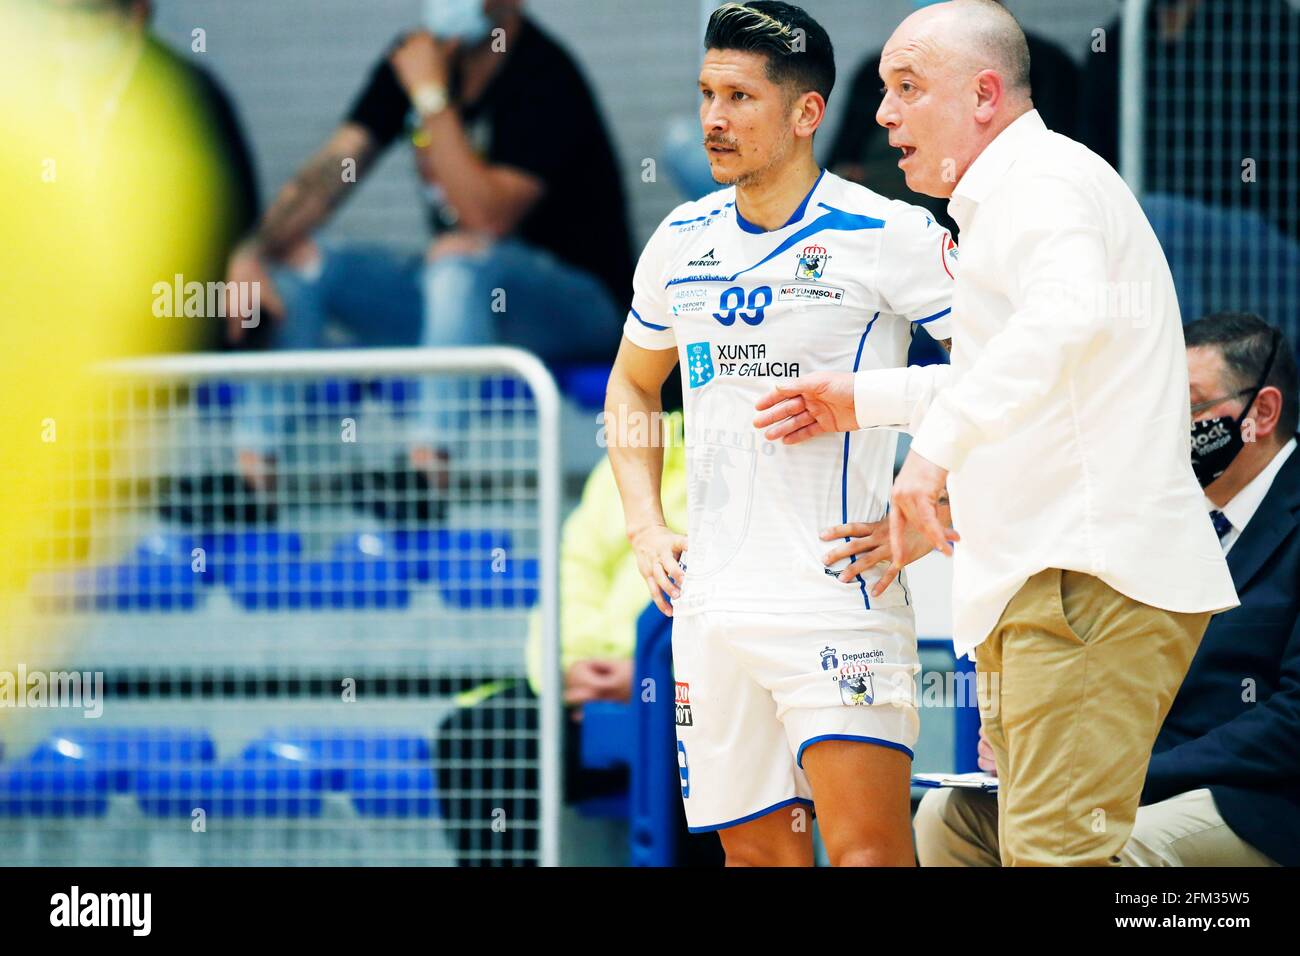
(915, 505)
(658, 550)
(808, 406)
(870, 540)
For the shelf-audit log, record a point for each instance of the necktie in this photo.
(1221, 524)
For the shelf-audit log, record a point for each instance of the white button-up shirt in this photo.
(1064, 420)
(1246, 502)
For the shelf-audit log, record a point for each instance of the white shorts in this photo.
(755, 690)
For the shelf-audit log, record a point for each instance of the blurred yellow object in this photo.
(109, 183)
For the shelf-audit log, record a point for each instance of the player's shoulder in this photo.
(895, 215)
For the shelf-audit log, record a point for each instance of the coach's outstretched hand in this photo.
(916, 500)
(870, 540)
(808, 406)
(657, 551)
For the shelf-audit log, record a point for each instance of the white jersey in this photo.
(838, 287)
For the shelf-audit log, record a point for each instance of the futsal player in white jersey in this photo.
(794, 687)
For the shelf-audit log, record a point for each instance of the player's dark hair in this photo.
(798, 50)
(1245, 341)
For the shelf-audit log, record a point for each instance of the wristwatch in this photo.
(429, 100)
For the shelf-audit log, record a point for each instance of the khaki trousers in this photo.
(960, 828)
(1074, 683)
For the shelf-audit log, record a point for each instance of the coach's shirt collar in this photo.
(992, 165)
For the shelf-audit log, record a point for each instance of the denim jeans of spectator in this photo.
(363, 296)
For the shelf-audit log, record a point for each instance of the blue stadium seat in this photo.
(472, 568)
(217, 397)
(338, 752)
(423, 555)
(584, 384)
(331, 396)
(397, 392)
(473, 581)
(167, 546)
(227, 552)
(122, 751)
(293, 584)
(502, 393)
(395, 790)
(157, 575)
(31, 790)
(236, 789)
(142, 583)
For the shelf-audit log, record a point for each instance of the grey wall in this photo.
(293, 66)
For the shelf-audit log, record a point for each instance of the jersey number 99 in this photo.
(734, 299)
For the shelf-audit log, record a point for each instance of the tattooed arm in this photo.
(304, 203)
(315, 191)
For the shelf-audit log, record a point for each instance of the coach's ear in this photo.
(989, 92)
(807, 113)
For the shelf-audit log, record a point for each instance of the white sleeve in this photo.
(897, 398)
(1056, 247)
(918, 264)
(649, 321)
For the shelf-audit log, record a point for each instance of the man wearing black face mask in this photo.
(1223, 784)
(1224, 351)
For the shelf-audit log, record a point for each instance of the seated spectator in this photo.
(1223, 784)
(861, 150)
(524, 202)
(602, 594)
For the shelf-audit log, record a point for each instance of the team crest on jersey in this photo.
(699, 364)
(812, 262)
(857, 689)
(851, 673)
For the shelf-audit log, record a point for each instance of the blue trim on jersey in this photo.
(795, 216)
(931, 318)
(891, 744)
(648, 325)
(844, 471)
(712, 212)
(753, 816)
(835, 219)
